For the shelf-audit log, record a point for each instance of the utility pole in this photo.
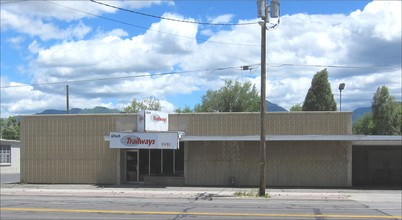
(67, 100)
(263, 14)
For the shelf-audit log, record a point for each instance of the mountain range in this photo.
(359, 112)
(271, 107)
(96, 110)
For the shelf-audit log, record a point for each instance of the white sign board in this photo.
(148, 120)
(149, 140)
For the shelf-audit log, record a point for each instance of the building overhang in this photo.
(14, 143)
(355, 139)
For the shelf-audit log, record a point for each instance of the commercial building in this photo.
(9, 156)
(304, 149)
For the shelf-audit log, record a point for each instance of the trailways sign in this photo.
(148, 140)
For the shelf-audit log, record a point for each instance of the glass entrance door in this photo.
(132, 166)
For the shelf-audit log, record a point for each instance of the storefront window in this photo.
(144, 163)
(167, 162)
(155, 162)
(164, 162)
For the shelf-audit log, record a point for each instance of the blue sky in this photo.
(109, 56)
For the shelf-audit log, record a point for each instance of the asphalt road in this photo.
(44, 204)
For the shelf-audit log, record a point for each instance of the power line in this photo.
(171, 19)
(245, 67)
(122, 77)
(329, 66)
(149, 29)
(15, 1)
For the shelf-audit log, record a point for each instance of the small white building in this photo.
(9, 156)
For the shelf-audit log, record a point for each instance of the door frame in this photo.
(125, 165)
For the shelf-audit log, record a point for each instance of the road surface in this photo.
(40, 203)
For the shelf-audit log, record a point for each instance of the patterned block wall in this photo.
(286, 123)
(72, 149)
(67, 149)
(288, 163)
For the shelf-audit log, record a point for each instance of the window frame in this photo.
(5, 155)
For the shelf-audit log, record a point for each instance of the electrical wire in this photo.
(15, 1)
(123, 77)
(149, 29)
(171, 19)
(329, 66)
(245, 67)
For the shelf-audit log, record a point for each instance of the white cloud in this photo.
(221, 19)
(24, 99)
(36, 27)
(34, 47)
(380, 18)
(118, 33)
(72, 10)
(42, 18)
(16, 41)
(114, 56)
(369, 38)
(21, 99)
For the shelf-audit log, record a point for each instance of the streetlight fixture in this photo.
(341, 87)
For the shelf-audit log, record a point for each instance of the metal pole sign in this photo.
(149, 140)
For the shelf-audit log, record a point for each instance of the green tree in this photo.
(233, 97)
(296, 108)
(10, 128)
(149, 103)
(386, 115)
(319, 97)
(186, 109)
(364, 125)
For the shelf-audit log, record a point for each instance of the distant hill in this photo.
(96, 110)
(55, 112)
(272, 107)
(359, 112)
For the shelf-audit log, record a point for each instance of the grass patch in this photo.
(252, 193)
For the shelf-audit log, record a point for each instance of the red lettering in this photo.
(158, 118)
(138, 140)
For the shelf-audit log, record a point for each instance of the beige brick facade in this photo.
(72, 148)
(288, 163)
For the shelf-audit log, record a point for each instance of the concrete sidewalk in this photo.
(393, 196)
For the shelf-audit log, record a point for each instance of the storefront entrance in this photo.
(141, 164)
(132, 166)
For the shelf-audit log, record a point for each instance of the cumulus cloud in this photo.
(42, 18)
(72, 10)
(36, 27)
(116, 66)
(113, 55)
(221, 19)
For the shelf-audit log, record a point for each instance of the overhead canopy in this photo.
(356, 139)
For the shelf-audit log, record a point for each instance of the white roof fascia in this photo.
(370, 138)
(6, 141)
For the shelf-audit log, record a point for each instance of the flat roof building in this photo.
(9, 156)
(304, 149)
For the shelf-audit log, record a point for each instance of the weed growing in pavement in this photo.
(252, 193)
